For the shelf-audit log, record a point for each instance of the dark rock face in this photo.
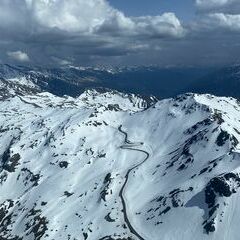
(111, 238)
(218, 187)
(107, 181)
(29, 178)
(222, 138)
(209, 226)
(37, 224)
(12, 163)
(63, 164)
(164, 204)
(8, 160)
(6, 219)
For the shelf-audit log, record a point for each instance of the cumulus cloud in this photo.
(94, 27)
(60, 32)
(71, 15)
(221, 23)
(219, 15)
(18, 56)
(227, 21)
(82, 17)
(165, 25)
(98, 15)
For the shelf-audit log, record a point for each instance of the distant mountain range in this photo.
(72, 81)
(220, 82)
(146, 80)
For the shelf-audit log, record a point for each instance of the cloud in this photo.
(166, 25)
(221, 23)
(226, 6)
(226, 21)
(58, 32)
(62, 62)
(94, 16)
(70, 16)
(18, 56)
(214, 3)
(213, 35)
(83, 18)
(53, 28)
(218, 15)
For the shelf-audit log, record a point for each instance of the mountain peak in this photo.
(118, 167)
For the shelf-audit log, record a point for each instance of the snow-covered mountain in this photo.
(113, 166)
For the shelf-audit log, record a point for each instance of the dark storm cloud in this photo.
(89, 32)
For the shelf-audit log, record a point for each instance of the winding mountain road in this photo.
(128, 145)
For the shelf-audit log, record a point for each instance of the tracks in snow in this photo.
(132, 147)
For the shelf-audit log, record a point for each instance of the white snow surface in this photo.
(64, 162)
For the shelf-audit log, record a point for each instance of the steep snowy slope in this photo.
(107, 166)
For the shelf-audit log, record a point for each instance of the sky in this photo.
(184, 9)
(120, 32)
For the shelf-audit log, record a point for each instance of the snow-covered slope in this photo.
(107, 166)
(17, 86)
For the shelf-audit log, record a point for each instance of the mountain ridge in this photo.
(72, 81)
(109, 165)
